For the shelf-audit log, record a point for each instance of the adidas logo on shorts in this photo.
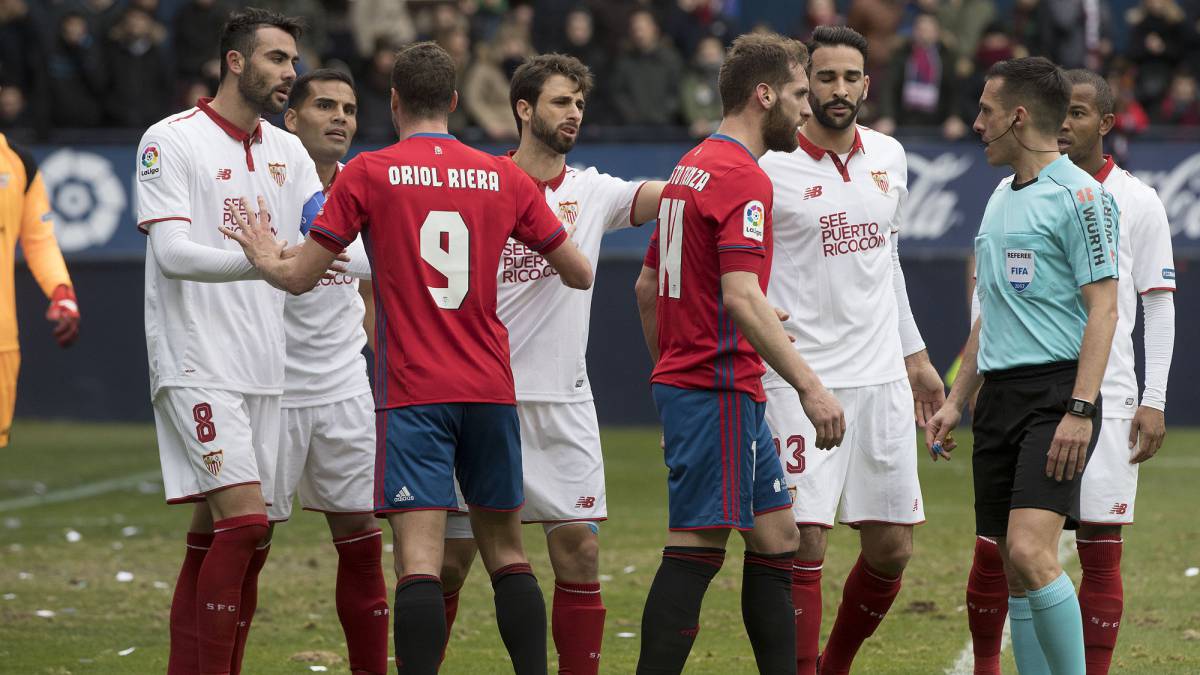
(403, 495)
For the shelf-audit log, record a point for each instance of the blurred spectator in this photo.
(698, 93)
(1131, 118)
(139, 87)
(457, 44)
(13, 112)
(1075, 33)
(994, 46)
(101, 15)
(549, 17)
(371, 20)
(313, 41)
(645, 79)
(689, 21)
(194, 92)
(1180, 107)
(581, 43)
(485, 90)
(76, 75)
(1157, 42)
(486, 17)
(818, 13)
(374, 91)
(920, 87)
(1025, 30)
(197, 27)
(22, 63)
(963, 23)
(878, 21)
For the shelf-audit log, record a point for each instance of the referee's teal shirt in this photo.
(1037, 245)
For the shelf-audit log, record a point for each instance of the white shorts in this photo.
(327, 456)
(210, 439)
(562, 465)
(1109, 485)
(873, 474)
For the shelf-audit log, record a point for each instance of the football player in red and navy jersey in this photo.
(709, 325)
(435, 216)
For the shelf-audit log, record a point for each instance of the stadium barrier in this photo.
(104, 377)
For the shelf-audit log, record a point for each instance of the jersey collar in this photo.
(433, 134)
(730, 139)
(1109, 165)
(553, 183)
(818, 153)
(235, 132)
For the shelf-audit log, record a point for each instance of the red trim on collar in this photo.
(553, 183)
(1109, 165)
(818, 153)
(234, 132)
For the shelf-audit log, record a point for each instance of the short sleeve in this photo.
(742, 210)
(618, 196)
(345, 210)
(536, 225)
(1153, 257)
(1091, 240)
(651, 259)
(163, 185)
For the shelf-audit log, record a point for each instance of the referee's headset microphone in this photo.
(1011, 124)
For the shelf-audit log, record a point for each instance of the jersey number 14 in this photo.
(453, 260)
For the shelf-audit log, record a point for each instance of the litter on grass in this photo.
(124, 577)
(161, 585)
(10, 596)
(606, 577)
(73, 537)
(629, 569)
(24, 576)
(12, 523)
(1191, 571)
(126, 652)
(131, 530)
(45, 613)
(626, 635)
(318, 669)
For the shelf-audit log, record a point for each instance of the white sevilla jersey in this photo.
(836, 224)
(1145, 263)
(192, 167)
(548, 322)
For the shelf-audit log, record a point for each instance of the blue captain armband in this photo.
(312, 209)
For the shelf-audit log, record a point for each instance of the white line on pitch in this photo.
(965, 663)
(80, 492)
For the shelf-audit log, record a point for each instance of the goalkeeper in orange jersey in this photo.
(25, 216)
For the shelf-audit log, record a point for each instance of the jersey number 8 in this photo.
(452, 260)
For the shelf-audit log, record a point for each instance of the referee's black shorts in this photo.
(1016, 415)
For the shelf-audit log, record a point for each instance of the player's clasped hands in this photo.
(825, 412)
(1068, 450)
(253, 231)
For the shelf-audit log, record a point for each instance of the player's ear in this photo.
(236, 61)
(454, 101)
(1107, 122)
(524, 111)
(289, 119)
(765, 94)
(866, 86)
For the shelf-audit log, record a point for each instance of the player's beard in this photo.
(549, 136)
(779, 131)
(255, 89)
(829, 122)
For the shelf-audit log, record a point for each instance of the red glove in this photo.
(64, 311)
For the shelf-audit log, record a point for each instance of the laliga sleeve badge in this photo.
(149, 162)
(1018, 264)
(754, 218)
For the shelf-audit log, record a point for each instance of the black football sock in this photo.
(419, 624)
(521, 616)
(767, 611)
(671, 618)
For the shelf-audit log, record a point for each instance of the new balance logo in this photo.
(1118, 509)
(585, 503)
(224, 174)
(812, 192)
(403, 496)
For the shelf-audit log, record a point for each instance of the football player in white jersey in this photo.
(836, 274)
(327, 427)
(548, 331)
(1131, 431)
(216, 350)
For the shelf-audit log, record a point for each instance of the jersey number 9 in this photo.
(452, 260)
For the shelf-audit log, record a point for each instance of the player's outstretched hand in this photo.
(253, 231)
(784, 316)
(1151, 425)
(929, 394)
(938, 438)
(1068, 450)
(64, 314)
(825, 412)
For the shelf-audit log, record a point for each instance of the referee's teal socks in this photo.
(1026, 650)
(1059, 626)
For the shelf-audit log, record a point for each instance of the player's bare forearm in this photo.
(759, 323)
(917, 360)
(645, 208)
(572, 266)
(284, 269)
(1100, 299)
(968, 381)
(646, 290)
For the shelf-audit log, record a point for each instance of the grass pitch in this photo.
(86, 579)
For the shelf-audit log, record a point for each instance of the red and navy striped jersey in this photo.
(714, 218)
(435, 216)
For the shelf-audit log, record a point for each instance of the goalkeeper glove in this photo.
(64, 312)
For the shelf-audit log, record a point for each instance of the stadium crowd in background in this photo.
(125, 63)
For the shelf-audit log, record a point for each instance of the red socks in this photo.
(865, 601)
(987, 605)
(1101, 600)
(249, 605)
(806, 598)
(185, 648)
(219, 588)
(451, 601)
(577, 623)
(361, 598)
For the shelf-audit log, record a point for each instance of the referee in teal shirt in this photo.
(1046, 274)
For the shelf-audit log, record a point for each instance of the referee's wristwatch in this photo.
(1081, 408)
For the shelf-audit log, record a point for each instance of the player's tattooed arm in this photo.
(287, 269)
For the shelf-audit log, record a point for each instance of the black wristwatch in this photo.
(1081, 408)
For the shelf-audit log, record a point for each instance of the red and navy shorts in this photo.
(421, 448)
(723, 468)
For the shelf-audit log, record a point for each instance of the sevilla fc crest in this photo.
(213, 461)
(881, 180)
(278, 172)
(568, 212)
